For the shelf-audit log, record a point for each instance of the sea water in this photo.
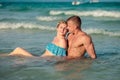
(33, 25)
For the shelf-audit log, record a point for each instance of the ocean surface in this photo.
(33, 25)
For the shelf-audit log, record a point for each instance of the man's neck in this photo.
(76, 31)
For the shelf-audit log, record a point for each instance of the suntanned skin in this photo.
(79, 42)
(58, 40)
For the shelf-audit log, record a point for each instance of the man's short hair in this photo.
(76, 20)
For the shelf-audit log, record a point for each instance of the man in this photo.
(78, 41)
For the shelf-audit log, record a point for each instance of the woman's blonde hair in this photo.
(60, 22)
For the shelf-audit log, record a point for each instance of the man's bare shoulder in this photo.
(84, 36)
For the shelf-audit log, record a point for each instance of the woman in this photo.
(56, 48)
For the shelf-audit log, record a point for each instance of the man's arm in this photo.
(89, 46)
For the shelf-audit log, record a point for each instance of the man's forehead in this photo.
(70, 21)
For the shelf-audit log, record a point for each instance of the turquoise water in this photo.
(32, 26)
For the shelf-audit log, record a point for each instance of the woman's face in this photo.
(62, 29)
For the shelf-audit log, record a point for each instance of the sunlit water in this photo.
(31, 27)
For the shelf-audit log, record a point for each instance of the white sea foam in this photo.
(0, 5)
(101, 31)
(94, 13)
(53, 12)
(6, 25)
(47, 18)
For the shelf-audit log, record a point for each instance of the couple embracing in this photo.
(75, 45)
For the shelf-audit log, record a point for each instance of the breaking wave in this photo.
(47, 18)
(94, 13)
(6, 25)
(102, 32)
(41, 27)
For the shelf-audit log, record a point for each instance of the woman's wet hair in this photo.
(61, 22)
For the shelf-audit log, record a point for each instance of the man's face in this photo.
(71, 26)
